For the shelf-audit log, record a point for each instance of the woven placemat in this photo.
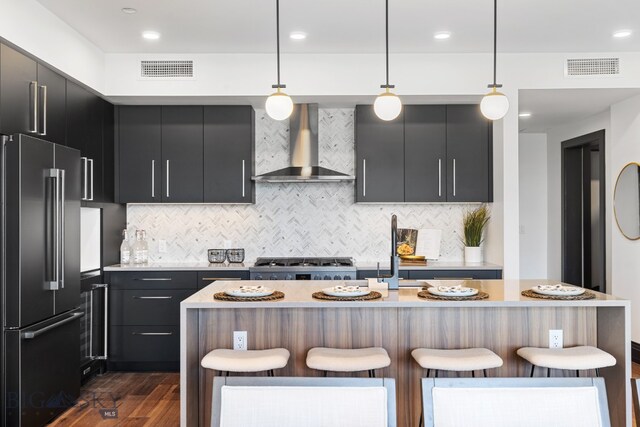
(371, 295)
(224, 297)
(428, 295)
(531, 294)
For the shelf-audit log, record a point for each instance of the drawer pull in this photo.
(155, 279)
(160, 297)
(453, 278)
(213, 279)
(153, 334)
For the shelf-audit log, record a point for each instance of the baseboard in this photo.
(635, 352)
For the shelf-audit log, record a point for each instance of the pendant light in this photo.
(494, 105)
(387, 105)
(279, 105)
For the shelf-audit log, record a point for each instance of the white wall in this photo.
(29, 25)
(625, 148)
(554, 144)
(533, 205)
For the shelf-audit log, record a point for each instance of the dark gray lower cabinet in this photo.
(144, 315)
(379, 157)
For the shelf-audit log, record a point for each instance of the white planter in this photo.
(472, 255)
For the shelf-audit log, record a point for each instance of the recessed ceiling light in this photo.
(297, 35)
(442, 35)
(621, 34)
(524, 115)
(151, 35)
(129, 10)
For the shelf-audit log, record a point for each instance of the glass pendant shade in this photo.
(279, 105)
(494, 105)
(387, 106)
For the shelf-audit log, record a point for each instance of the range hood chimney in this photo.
(303, 151)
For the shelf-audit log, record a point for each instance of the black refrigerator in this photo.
(40, 280)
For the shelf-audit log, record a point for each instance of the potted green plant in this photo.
(474, 223)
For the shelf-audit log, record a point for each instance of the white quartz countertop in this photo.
(298, 294)
(205, 266)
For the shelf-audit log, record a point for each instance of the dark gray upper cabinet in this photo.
(140, 154)
(228, 154)
(52, 105)
(18, 92)
(469, 155)
(182, 136)
(379, 157)
(425, 153)
(108, 155)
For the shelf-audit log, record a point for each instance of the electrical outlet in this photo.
(555, 338)
(239, 340)
(162, 246)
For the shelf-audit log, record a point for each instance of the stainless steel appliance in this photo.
(94, 303)
(40, 281)
(303, 269)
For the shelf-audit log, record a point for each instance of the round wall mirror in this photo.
(626, 201)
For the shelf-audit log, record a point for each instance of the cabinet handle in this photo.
(213, 279)
(454, 177)
(34, 88)
(44, 111)
(439, 177)
(153, 179)
(364, 177)
(151, 279)
(159, 297)
(85, 180)
(90, 161)
(152, 334)
(453, 278)
(243, 178)
(167, 178)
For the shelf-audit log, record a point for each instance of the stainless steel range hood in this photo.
(303, 150)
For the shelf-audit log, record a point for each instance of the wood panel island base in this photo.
(400, 322)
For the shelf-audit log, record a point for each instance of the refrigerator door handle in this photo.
(54, 283)
(34, 334)
(63, 218)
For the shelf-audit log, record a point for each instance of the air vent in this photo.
(592, 67)
(166, 69)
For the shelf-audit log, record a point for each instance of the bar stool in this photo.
(457, 360)
(226, 360)
(571, 358)
(348, 360)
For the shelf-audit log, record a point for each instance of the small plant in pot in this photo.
(474, 223)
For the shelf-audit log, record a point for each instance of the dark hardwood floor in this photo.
(141, 399)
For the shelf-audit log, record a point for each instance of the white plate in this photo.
(250, 291)
(557, 290)
(346, 291)
(452, 291)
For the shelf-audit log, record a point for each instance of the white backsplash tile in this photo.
(318, 219)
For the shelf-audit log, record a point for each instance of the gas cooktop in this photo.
(300, 268)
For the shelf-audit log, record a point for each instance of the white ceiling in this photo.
(551, 108)
(348, 26)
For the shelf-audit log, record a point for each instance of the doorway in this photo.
(583, 212)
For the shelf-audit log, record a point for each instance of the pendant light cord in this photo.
(386, 19)
(278, 38)
(495, 40)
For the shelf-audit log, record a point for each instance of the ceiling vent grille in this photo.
(166, 69)
(592, 67)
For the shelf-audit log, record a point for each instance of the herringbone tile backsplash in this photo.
(319, 219)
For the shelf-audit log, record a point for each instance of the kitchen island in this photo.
(400, 322)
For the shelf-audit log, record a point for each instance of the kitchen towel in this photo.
(429, 240)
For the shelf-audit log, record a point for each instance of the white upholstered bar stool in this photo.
(457, 360)
(571, 358)
(226, 360)
(348, 360)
